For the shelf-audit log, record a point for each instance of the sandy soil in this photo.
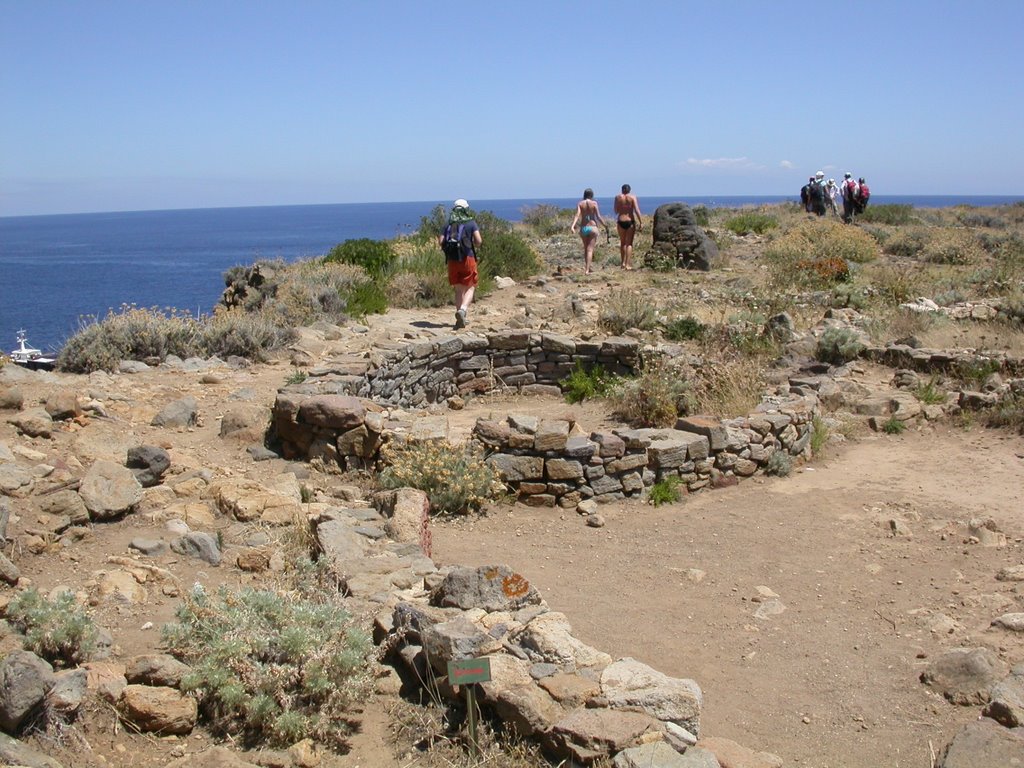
(833, 679)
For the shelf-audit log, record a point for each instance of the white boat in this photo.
(30, 357)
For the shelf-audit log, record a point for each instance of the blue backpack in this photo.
(451, 244)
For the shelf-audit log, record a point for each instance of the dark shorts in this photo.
(625, 223)
(463, 272)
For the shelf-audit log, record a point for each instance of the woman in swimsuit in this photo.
(589, 215)
(628, 223)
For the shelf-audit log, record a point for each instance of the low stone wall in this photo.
(335, 414)
(944, 361)
(552, 462)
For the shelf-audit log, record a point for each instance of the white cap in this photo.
(820, 174)
(460, 203)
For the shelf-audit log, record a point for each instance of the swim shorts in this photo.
(463, 272)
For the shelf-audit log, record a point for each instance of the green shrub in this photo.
(820, 434)
(1009, 413)
(364, 299)
(271, 668)
(952, 246)
(665, 491)
(59, 631)
(838, 346)
(975, 373)
(624, 309)
(507, 254)
(420, 279)
(587, 383)
(751, 222)
(702, 215)
(375, 256)
(891, 214)
(684, 329)
(455, 478)
(894, 426)
(909, 242)
(655, 398)
(780, 464)
(929, 392)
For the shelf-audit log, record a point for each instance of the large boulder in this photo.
(677, 236)
(490, 587)
(179, 413)
(965, 676)
(631, 684)
(148, 463)
(158, 709)
(109, 490)
(25, 680)
(983, 744)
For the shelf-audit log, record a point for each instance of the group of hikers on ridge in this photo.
(819, 196)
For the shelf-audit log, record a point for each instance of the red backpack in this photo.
(865, 193)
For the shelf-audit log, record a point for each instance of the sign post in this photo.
(467, 673)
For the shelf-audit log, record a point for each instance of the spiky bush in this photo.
(455, 478)
(838, 346)
(59, 631)
(655, 398)
(952, 246)
(134, 333)
(546, 219)
(271, 668)
(624, 309)
(823, 239)
(244, 334)
(420, 279)
(892, 214)
(684, 329)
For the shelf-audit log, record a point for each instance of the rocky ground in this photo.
(806, 607)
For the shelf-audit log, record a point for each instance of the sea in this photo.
(59, 272)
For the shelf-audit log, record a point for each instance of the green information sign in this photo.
(469, 671)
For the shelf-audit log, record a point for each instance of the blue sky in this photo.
(112, 105)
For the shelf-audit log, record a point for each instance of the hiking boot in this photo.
(460, 319)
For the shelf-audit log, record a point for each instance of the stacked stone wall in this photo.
(551, 462)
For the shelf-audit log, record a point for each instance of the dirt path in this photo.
(832, 680)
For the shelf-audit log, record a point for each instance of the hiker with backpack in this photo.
(816, 194)
(850, 191)
(805, 194)
(459, 241)
(863, 195)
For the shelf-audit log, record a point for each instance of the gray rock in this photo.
(68, 692)
(8, 571)
(658, 754)
(490, 587)
(109, 490)
(260, 453)
(13, 478)
(155, 669)
(65, 504)
(459, 638)
(516, 469)
(180, 413)
(132, 366)
(35, 422)
(678, 236)
(631, 684)
(965, 676)
(148, 463)
(13, 752)
(63, 405)
(148, 547)
(1007, 701)
(24, 682)
(332, 411)
(585, 735)
(983, 744)
(198, 544)
(11, 398)
(1011, 621)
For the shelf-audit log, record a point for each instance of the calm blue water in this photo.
(57, 270)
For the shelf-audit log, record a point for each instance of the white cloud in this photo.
(787, 164)
(719, 162)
